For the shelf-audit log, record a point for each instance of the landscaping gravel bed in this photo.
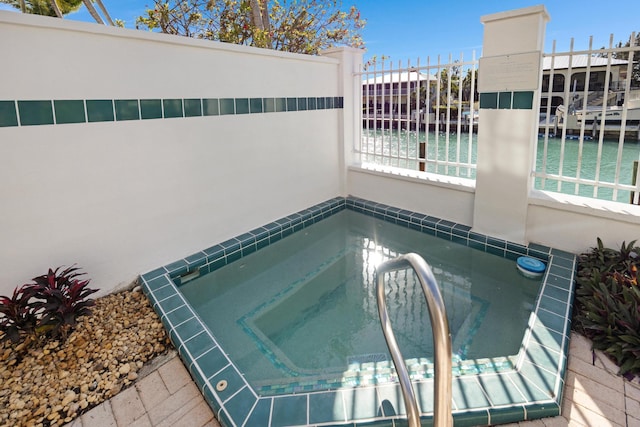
(50, 384)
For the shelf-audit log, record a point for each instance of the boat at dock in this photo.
(614, 119)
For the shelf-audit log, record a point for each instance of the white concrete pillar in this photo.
(510, 76)
(349, 87)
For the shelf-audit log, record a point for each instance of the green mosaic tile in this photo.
(302, 104)
(69, 111)
(558, 307)
(489, 100)
(468, 394)
(546, 337)
(289, 410)
(292, 104)
(163, 292)
(260, 414)
(210, 362)
(504, 100)
(255, 105)
(172, 303)
(172, 108)
(320, 104)
(523, 100)
(127, 109)
(158, 281)
(542, 356)
(500, 390)
(151, 108)
(541, 378)
(392, 401)
(506, 415)
(471, 418)
(234, 382)
(528, 390)
(8, 115)
(361, 402)
(35, 113)
(200, 344)
(179, 315)
(281, 104)
(192, 107)
(563, 262)
(190, 329)
(329, 102)
(311, 104)
(239, 406)
(100, 110)
(551, 320)
(326, 407)
(242, 106)
(269, 105)
(542, 410)
(227, 106)
(210, 107)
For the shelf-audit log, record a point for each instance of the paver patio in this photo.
(593, 396)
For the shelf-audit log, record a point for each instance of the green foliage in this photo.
(43, 7)
(302, 26)
(48, 307)
(608, 303)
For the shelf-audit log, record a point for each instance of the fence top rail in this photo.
(418, 69)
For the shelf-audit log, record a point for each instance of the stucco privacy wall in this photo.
(121, 197)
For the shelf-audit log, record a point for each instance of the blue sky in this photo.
(408, 29)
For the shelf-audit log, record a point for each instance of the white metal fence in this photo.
(590, 122)
(421, 117)
(425, 117)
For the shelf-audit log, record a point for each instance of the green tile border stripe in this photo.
(507, 100)
(533, 388)
(67, 111)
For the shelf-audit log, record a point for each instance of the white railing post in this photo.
(510, 77)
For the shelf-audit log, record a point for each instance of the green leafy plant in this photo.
(48, 307)
(608, 303)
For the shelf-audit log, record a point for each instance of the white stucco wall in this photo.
(440, 196)
(120, 198)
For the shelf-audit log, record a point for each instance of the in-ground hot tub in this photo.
(271, 337)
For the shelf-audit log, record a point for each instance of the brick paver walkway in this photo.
(594, 396)
(165, 397)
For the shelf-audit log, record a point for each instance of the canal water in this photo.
(459, 150)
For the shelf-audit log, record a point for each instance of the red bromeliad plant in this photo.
(62, 298)
(19, 315)
(50, 306)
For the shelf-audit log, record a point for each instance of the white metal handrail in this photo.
(441, 340)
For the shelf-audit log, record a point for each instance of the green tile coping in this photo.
(47, 112)
(532, 390)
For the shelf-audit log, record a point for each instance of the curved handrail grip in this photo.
(441, 340)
